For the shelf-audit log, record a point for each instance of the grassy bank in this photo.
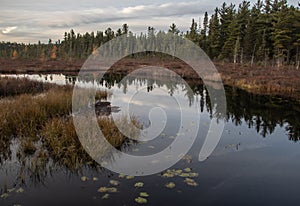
(258, 79)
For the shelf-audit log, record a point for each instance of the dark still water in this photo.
(256, 161)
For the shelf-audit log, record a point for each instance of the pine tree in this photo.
(243, 16)
(125, 29)
(192, 34)
(203, 36)
(281, 34)
(173, 29)
(296, 40)
(226, 18)
(214, 35)
(253, 34)
(231, 46)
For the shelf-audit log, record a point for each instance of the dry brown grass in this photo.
(60, 139)
(25, 114)
(15, 86)
(45, 120)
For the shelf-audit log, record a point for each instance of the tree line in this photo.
(266, 33)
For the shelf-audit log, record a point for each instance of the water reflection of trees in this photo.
(56, 148)
(263, 113)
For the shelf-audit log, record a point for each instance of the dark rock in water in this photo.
(102, 104)
(105, 108)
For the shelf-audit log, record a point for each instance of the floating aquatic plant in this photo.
(144, 194)
(184, 175)
(141, 200)
(107, 189)
(105, 196)
(139, 184)
(122, 176)
(84, 179)
(187, 169)
(114, 182)
(4, 196)
(20, 190)
(190, 182)
(187, 158)
(129, 177)
(170, 185)
(11, 190)
(168, 174)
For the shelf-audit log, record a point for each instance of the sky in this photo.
(32, 20)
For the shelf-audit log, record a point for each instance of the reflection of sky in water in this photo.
(245, 168)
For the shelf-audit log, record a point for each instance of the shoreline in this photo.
(283, 82)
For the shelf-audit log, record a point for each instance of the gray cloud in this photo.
(46, 22)
(49, 20)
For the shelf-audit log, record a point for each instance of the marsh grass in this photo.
(24, 115)
(44, 128)
(60, 139)
(15, 86)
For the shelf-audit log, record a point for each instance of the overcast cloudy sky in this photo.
(33, 20)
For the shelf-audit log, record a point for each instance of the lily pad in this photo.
(190, 182)
(84, 179)
(144, 194)
(107, 189)
(114, 182)
(139, 184)
(141, 200)
(184, 175)
(122, 176)
(170, 185)
(187, 158)
(168, 174)
(20, 190)
(178, 172)
(193, 174)
(105, 196)
(129, 177)
(4, 196)
(187, 169)
(11, 190)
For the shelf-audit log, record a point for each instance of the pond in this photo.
(256, 161)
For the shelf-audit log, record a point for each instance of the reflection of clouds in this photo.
(162, 101)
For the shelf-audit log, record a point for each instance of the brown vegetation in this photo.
(44, 130)
(256, 79)
(17, 86)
